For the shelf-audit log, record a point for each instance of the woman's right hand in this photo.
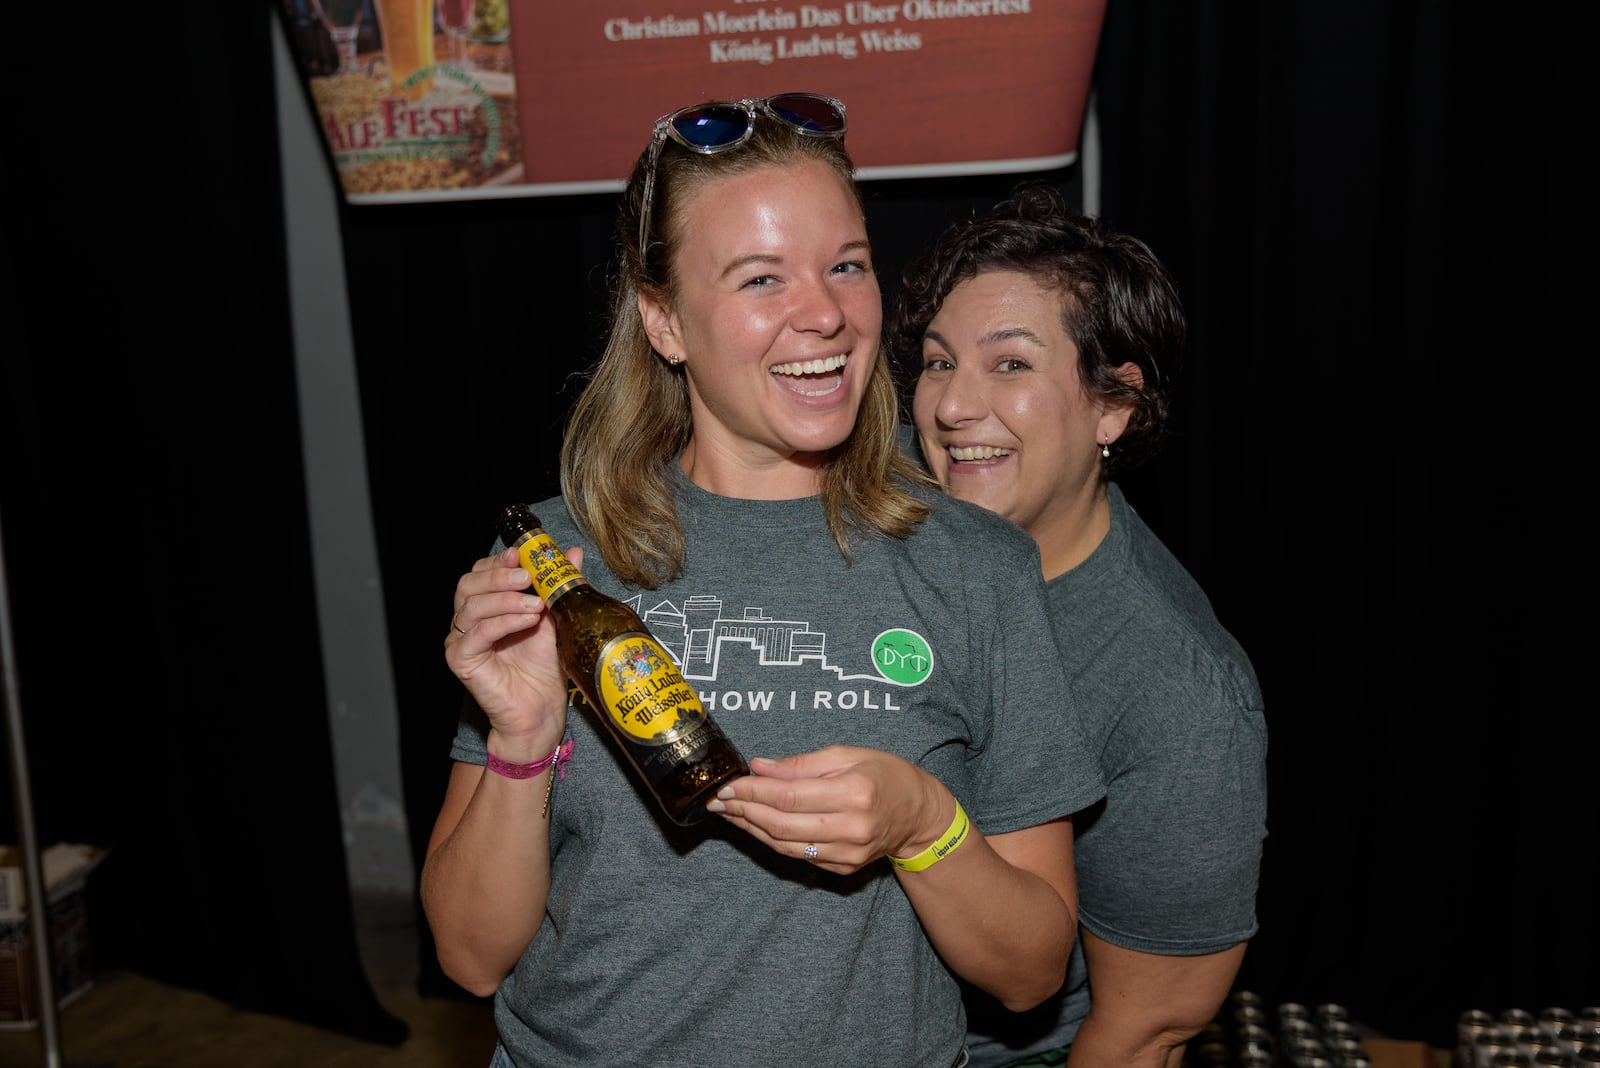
(502, 646)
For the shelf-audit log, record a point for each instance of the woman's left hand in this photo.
(841, 808)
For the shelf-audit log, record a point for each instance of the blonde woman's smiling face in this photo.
(778, 316)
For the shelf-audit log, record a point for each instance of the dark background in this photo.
(1362, 203)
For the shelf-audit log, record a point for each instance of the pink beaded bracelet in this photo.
(558, 756)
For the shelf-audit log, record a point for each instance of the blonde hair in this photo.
(632, 419)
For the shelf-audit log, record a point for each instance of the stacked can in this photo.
(1339, 1037)
(1544, 1042)
(1338, 1034)
(1237, 1037)
(1469, 1025)
(1211, 1048)
(1489, 1044)
(1585, 1035)
(1522, 1028)
(1299, 1041)
(1254, 1044)
(1555, 1042)
(1324, 1037)
(1516, 1038)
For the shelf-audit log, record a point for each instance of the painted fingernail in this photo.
(715, 806)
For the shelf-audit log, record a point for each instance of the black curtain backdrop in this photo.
(154, 516)
(1351, 196)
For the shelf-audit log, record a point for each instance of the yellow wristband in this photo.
(942, 847)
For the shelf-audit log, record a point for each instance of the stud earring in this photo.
(674, 359)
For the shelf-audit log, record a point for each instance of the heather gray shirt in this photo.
(1170, 863)
(699, 946)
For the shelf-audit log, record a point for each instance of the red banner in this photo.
(447, 99)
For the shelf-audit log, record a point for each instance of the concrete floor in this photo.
(126, 1020)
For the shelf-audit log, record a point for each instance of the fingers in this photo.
(494, 574)
(500, 643)
(826, 821)
(810, 838)
(481, 593)
(852, 805)
(822, 763)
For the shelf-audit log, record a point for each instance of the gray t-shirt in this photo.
(1170, 863)
(699, 946)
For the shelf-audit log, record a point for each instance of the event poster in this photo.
(450, 99)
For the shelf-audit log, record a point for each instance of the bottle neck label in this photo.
(553, 574)
(644, 693)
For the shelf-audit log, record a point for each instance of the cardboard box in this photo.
(1386, 1053)
(65, 872)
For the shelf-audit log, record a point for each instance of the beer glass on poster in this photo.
(343, 20)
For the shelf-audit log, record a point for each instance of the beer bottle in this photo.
(627, 678)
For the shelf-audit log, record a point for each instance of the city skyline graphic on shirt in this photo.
(697, 633)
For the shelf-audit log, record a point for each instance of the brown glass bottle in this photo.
(627, 678)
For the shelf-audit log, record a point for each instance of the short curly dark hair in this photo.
(1120, 304)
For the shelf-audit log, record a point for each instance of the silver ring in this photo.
(811, 852)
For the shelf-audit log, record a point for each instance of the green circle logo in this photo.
(902, 657)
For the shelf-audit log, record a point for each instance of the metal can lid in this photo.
(1249, 1014)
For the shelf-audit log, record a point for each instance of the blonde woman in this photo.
(880, 652)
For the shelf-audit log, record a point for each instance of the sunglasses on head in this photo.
(718, 125)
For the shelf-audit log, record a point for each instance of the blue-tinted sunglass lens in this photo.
(711, 127)
(807, 112)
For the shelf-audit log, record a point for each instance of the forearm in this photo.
(992, 911)
(1099, 1044)
(1147, 1006)
(487, 873)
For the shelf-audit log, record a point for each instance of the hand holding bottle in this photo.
(651, 713)
(502, 646)
(842, 807)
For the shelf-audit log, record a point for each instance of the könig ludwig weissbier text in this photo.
(631, 684)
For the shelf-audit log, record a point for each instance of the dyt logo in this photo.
(902, 656)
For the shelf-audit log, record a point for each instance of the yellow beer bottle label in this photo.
(643, 691)
(551, 570)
